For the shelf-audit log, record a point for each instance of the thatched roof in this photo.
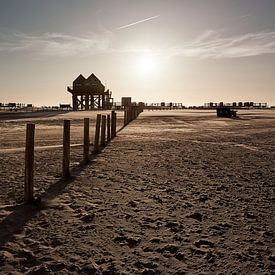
(93, 79)
(80, 79)
(92, 83)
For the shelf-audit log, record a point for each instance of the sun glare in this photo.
(147, 64)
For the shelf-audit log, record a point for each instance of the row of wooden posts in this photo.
(105, 131)
(131, 113)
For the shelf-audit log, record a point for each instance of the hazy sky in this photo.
(189, 51)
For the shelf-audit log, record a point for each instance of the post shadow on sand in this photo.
(14, 223)
(21, 214)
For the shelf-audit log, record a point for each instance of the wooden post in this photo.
(131, 114)
(108, 128)
(103, 131)
(66, 149)
(125, 117)
(29, 163)
(86, 142)
(128, 116)
(75, 105)
(86, 102)
(97, 133)
(112, 124)
(115, 120)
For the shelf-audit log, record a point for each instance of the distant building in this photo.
(65, 106)
(126, 101)
(246, 104)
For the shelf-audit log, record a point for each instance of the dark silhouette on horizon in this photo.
(90, 94)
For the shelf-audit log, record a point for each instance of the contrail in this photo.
(135, 23)
(246, 15)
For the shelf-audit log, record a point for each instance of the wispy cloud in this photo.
(246, 15)
(138, 22)
(55, 44)
(213, 44)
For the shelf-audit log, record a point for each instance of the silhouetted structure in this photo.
(90, 94)
(65, 107)
(236, 105)
(126, 102)
(226, 112)
(163, 106)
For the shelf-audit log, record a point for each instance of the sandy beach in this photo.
(176, 192)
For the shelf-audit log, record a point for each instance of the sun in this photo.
(147, 64)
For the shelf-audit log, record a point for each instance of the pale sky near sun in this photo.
(188, 51)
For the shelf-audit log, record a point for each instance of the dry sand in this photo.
(177, 192)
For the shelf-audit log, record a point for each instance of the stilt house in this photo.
(90, 94)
